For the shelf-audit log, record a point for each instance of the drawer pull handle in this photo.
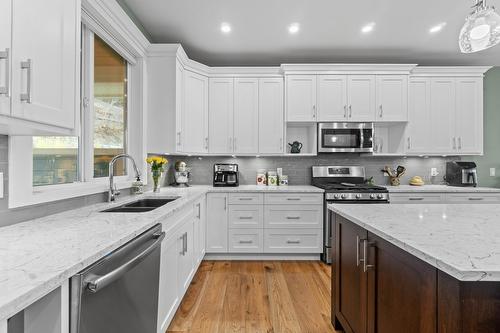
(245, 199)
(476, 199)
(293, 241)
(415, 199)
(245, 217)
(246, 242)
(293, 217)
(293, 199)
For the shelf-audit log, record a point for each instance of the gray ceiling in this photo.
(330, 30)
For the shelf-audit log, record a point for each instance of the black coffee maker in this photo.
(461, 173)
(226, 175)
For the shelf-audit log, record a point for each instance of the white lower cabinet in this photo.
(293, 240)
(417, 197)
(264, 223)
(200, 227)
(441, 198)
(473, 198)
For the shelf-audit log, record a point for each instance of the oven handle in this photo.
(97, 282)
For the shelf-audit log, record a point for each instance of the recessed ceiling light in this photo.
(225, 28)
(368, 28)
(293, 28)
(437, 28)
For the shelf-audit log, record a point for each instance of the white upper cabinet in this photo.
(332, 98)
(392, 98)
(194, 132)
(361, 97)
(301, 98)
(469, 115)
(221, 103)
(271, 116)
(442, 126)
(45, 61)
(419, 133)
(5, 53)
(246, 116)
(179, 88)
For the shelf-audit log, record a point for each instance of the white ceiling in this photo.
(330, 30)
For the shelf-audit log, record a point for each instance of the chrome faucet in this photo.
(113, 191)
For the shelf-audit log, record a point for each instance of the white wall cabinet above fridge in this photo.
(345, 98)
(40, 68)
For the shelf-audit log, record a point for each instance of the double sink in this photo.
(141, 206)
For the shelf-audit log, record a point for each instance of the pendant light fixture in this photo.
(481, 29)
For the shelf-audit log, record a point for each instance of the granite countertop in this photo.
(441, 189)
(462, 240)
(37, 256)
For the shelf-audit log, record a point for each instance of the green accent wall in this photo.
(491, 157)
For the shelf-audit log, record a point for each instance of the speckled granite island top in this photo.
(462, 240)
(37, 256)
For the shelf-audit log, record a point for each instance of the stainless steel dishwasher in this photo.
(119, 293)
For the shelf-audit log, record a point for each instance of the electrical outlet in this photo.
(492, 172)
(434, 172)
(1, 185)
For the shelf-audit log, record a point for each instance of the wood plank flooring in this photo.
(257, 296)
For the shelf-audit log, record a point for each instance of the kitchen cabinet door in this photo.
(199, 230)
(195, 107)
(220, 110)
(401, 290)
(5, 54)
(217, 222)
(442, 125)
(169, 295)
(185, 247)
(361, 97)
(246, 116)
(179, 93)
(420, 117)
(469, 115)
(46, 61)
(350, 280)
(332, 98)
(301, 98)
(271, 116)
(392, 98)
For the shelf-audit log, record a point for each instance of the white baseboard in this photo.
(260, 256)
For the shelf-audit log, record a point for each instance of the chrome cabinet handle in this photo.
(97, 282)
(460, 143)
(366, 266)
(225, 203)
(245, 217)
(381, 114)
(246, 242)
(293, 217)
(415, 199)
(182, 249)
(185, 242)
(245, 199)
(409, 143)
(454, 143)
(178, 138)
(293, 199)
(314, 111)
(476, 199)
(293, 241)
(350, 111)
(281, 144)
(206, 143)
(358, 259)
(27, 65)
(5, 55)
(345, 111)
(199, 211)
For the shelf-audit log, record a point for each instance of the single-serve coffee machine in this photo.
(226, 175)
(461, 173)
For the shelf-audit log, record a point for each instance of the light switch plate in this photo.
(492, 172)
(1, 185)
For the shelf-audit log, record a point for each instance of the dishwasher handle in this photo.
(97, 282)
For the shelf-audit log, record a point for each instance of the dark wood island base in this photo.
(380, 288)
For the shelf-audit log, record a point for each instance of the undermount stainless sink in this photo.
(140, 206)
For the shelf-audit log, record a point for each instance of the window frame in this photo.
(21, 190)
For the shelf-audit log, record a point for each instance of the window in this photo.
(55, 160)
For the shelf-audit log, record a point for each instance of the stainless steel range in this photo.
(343, 185)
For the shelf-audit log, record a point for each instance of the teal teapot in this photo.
(295, 147)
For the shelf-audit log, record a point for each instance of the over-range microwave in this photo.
(345, 137)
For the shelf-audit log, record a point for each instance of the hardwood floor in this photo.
(257, 296)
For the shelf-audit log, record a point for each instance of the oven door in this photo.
(345, 137)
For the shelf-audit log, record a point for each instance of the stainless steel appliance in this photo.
(345, 137)
(119, 293)
(461, 173)
(181, 174)
(343, 185)
(226, 175)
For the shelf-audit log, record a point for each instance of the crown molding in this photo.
(450, 71)
(403, 69)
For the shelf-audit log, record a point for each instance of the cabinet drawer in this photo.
(246, 240)
(473, 198)
(416, 198)
(293, 198)
(293, 240)
(298, 216)
(246, 198)
(246, 216)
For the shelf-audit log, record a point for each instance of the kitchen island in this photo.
(417, 268)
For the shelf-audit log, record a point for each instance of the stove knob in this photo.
(343, 196)
(380, 196)
(372, 196)
(358, 196)
(336, 196)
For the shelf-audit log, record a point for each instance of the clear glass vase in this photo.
(157, 176)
